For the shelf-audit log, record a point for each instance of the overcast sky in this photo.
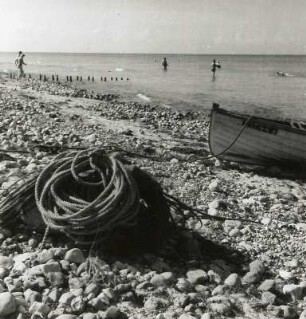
(154, 26)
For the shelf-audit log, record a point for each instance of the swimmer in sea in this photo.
(215, 64)
(165, 64)
(281, 74)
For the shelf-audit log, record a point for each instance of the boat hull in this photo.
(255, 140)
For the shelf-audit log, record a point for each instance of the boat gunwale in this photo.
(271, 123)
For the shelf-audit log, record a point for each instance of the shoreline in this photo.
(49, 113)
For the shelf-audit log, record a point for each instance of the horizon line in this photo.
(163, 53)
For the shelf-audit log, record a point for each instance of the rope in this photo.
(86, 195)
(179, 208)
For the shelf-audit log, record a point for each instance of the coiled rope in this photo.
(86, 195)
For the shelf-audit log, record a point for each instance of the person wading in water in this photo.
(165, 64)
(214, 67)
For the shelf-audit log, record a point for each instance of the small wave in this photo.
(143, 97)
(119, 69)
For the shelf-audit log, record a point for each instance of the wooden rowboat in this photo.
(255, 140)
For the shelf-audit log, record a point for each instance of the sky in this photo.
(154, 26)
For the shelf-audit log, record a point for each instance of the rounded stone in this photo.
(8, 304)
(75, 255)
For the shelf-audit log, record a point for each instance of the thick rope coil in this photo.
(87, 193)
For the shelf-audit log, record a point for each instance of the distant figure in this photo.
(165, 64)
(214, 66)
(281, 74)
(18, 56)
(20, 63)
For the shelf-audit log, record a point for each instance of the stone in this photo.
(232, 280)
(97, 304)
(56, 279)
(66, 299)
(268, 298)
(303, 315)
(158, 280)
(114, 313)
(35, 283)
(90, 315)
(214, 186)
(75, 256)
(154, 303)
(257, 266)
(186, 316)
(168, 276)
(92, 288)
(183, 285)
(220, 305)
(76, 283)
(77, 304)
(295, 291)
(286, 275)
(51, 267)
(8, 304)
(45, 255)
(219, 290)
(289, 312)
(6, 262)
(197, 276)
(31, 296)
(267, 285)
(39, 307)
(66, 316)
(250, 278)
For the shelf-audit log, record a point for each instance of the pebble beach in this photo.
(248, 264)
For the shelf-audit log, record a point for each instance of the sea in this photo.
(244, 83)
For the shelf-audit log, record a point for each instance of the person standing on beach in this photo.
(214, 66)
(20, 63)
(165, 64)
(18, 56)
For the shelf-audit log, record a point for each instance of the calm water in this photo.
(244, 83)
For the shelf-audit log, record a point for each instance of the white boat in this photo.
(255, 140)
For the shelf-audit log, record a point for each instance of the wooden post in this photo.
(57, 78)
(77, 78)
(112, 78)
(67, 78)
(52, 77)
(116, 79)
(92, 79)
(70, 78)
(105, 79)
(88, 78)
(81, 78)
(45, 78)
(40, 77)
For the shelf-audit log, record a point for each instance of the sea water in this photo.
(247, 83)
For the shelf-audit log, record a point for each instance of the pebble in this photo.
(286, 275)
(267, 285)
(75, 256)
(197, 276)
(8, 304)
(268, 298)
(232, 280)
